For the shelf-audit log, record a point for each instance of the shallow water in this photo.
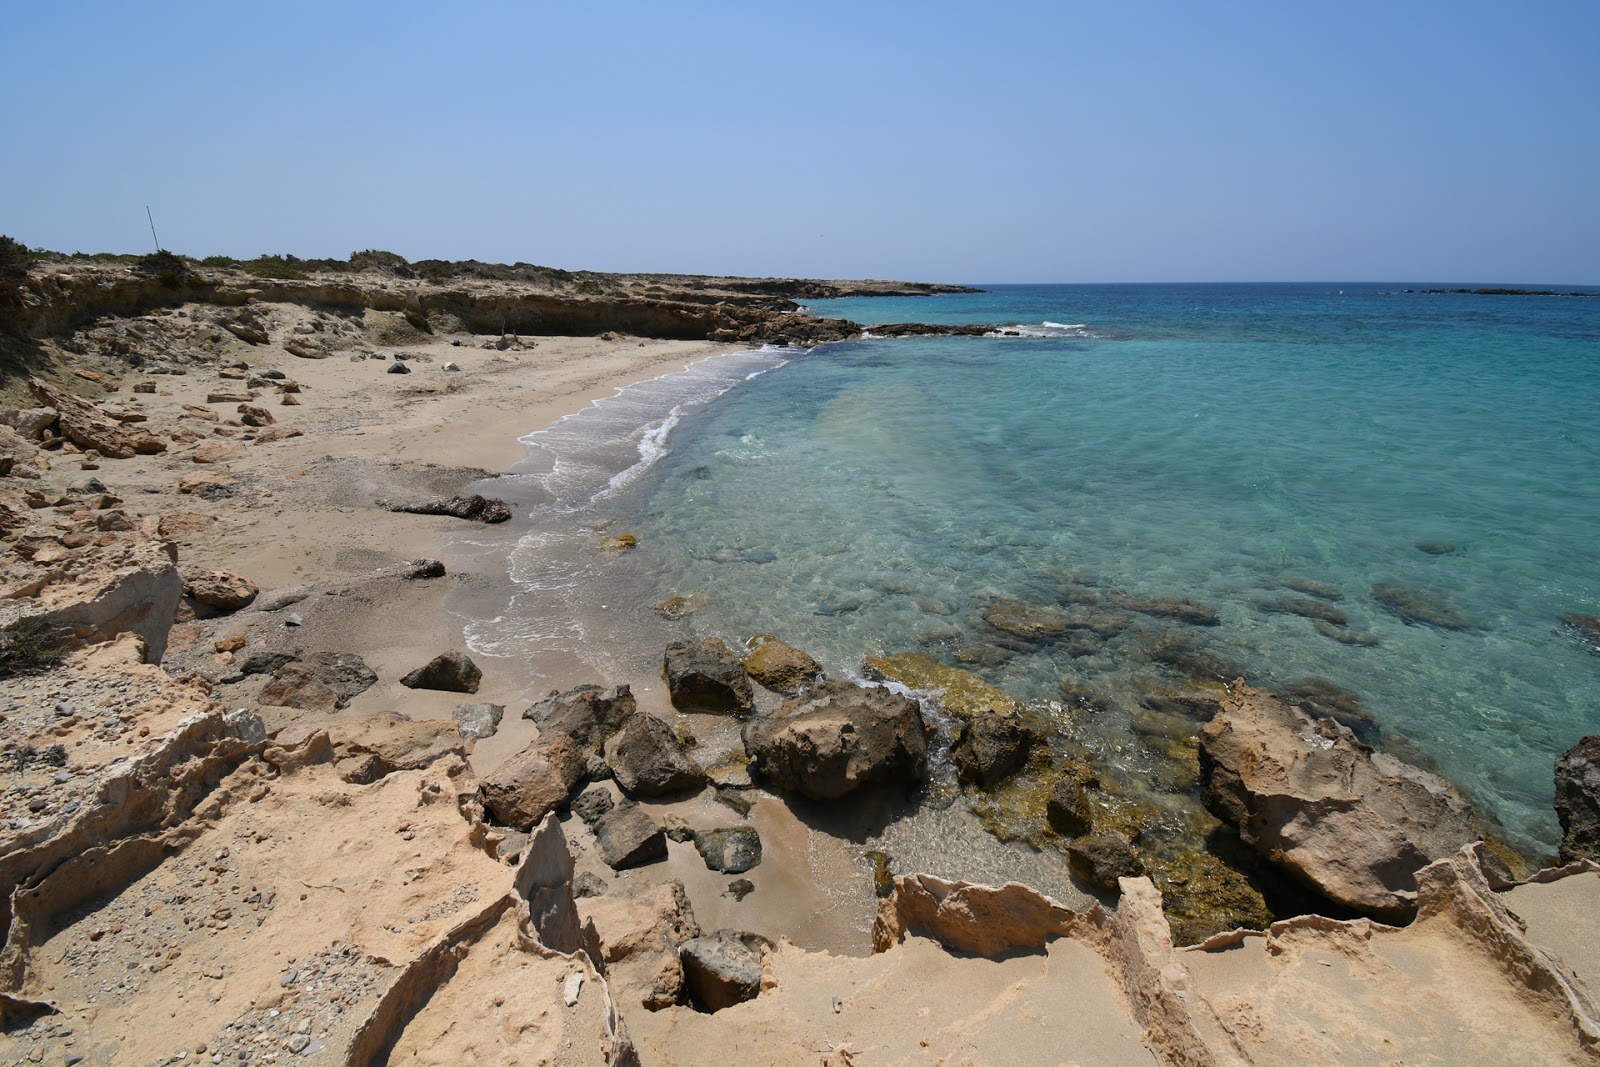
(1206, 442)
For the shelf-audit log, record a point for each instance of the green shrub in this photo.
(285, 268)
(14, 260)
(379, 260)
(418, 320)
(171, 269)
(29, 646)
(219, 261)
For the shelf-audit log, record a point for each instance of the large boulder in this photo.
(990, 748)
(477, 721)
(296, 685)
(706, 676)
(837, 738)
(87, 426)
(588, 714)
(1578, 800)
(724, 968)
(536, 781)
(452, 672)
(648, 760)
(1351, 823)
(628, 837)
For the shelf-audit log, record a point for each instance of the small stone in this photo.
(297, 1043)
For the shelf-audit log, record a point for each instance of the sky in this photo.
(962, 142)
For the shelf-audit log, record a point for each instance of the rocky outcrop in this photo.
(978, 919)
(780, 667)
(450, 672)
(649, 760)
(88, 426)
(133, 590)
(1578, 800)
(722, 969)
(1350, 823)
(706, 676)
(838, 738)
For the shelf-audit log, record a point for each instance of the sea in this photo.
(1384, 498)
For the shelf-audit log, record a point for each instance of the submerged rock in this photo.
(960, 692)
(706, 676)
(1311, 587)
(1578, 800)
(1305, 607)
(1025, 620)
(837, 738)
(1344, 635)
(1167, 607)
(1070, 809)
(1584, 627)
(1353, 824)
(1101, 859)
(780, 667)
(1422, 604)
(1327, 699)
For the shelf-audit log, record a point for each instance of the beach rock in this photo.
(374, 746)
(1305, 607)
(451, 672)
(780, 667)
(474, 507)
(255, 415)
(423, 568)
(296, 685)
(960, 692)
(705, 676)
(29, 423)
(1101, 859)
(477, 721)
(980, 920)
(246, 329)
(344, 672)
(135, 591)
(588, 714)
(533, 783)
(593, 803)
(1585, 628)
(837, 738)
(991, 748)
(220, 590)
(1070, 807)
(1422, 604)
(629, 838)
(723, 968)
(1578, 800)
(216, 452)
(88, 426)
(1350, 823)
(267, 661)
(729, 851)
(398, 367)
(648, 760)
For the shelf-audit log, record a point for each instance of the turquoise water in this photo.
(1205, 442)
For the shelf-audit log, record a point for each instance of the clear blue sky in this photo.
(945, 141)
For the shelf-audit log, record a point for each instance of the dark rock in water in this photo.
(1418, 603)
(1584, 627)
(477, 721)
(1025, 620)
(1167, 607)
(1175, 650)
(1102, 624)
(586, 713)
(534, 782)
(740, 888)
(780, 667)
(1070, 810)
(990, 748)
(629, 838)
(1343, 634)
(723, 969)
(837, 738)
(648, 759)
(1100, 859)
(705, 676)
(1078, 645)
(882, 875)
(1578, 800)
(980, 654)
(593, 803)
(1323, 698)
(1350, 823)
(450, 672)
(1311, 587)
(729, 851)
(1305, 607)
(1083, 698)
(1437, 548)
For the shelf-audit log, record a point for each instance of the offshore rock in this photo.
(705, 676)
(780, 667)
(1578, 800)
(1421, 604)
(1585, 628)
(648, 760)
(960, 692)
(990, 748)
(837, 738)
(724, 968)
(1347, 821)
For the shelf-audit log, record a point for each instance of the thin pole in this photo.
(152, 219)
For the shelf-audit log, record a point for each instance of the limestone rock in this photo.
(724, 968)
(1354, 824)
(137, 591)
(1578, 800)
(990, 748)
(477, 721)
(220, 590)
(648, 759)
(629, 838)
(960, 692)
(705, 676)
(587, 713)
(375, 746)
(1069, 810)
(87, 426)
(296, 685)
(29, 423)
(780, 667)
(534, 782)
(977, 919)
(216, 451)
(837, 738)
(451, 672)
(731, 850)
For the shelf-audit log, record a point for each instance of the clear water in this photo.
(1204, 442)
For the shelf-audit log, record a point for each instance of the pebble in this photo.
(298, 1043)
